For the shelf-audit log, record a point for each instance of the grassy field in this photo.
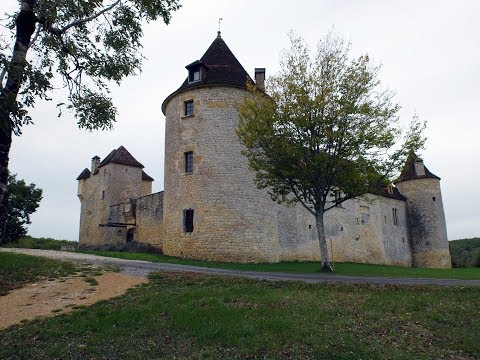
(201, 317)
(18, 269)
(308, 267)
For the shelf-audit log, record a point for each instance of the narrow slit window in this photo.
(395, 216)
(188, 220)
(189, 162)
(189, 108)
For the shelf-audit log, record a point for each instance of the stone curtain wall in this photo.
(361, 230)
(149, 217)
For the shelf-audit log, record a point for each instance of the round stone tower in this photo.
(425, 215)
(212, 209)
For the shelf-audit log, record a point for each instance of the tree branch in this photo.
(2, 77)
(301, 201)
(90, 18)
(37, 34)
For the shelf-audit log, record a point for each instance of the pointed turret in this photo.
(415, 169)
(426, 218)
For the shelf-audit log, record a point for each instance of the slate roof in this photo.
(223, 69)
(409, 173)
(85, 174)
(120, 156)
(394, 195)
(146, 177)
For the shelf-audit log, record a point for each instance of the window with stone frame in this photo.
(188, 162)
(189, 107)
(188, 220)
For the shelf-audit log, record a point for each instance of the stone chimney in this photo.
(95, 163)
(260, 78)
(419, 167)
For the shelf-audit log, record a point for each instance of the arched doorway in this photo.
(130, 233)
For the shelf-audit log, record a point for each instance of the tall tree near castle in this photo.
(83, 45)
(324, 132)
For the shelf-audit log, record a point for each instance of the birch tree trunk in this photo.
(25, 26)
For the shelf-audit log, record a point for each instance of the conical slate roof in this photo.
(409, 172)
(223, 69)
(120, 156)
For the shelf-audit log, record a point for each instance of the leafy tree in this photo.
(23, 200)
(83, 45)
(323, 132)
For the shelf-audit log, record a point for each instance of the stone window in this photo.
(188, 108)
(395, 217)
(189, 162)
(188, 220)
(103, 194)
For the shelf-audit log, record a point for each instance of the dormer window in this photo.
(195, 75)
(196, 71)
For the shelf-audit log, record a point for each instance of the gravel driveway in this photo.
(143, 268)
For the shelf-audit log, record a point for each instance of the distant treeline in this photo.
(465, 252)
(29, 242)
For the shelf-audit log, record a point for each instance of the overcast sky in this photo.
(430, 54)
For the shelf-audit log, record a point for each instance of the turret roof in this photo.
(223, 69)
(85, 174)
(120, 156)
(409, 172)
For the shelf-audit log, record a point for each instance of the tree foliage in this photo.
(23, 201)
(79, 47)
(88, 43)
(324, 131)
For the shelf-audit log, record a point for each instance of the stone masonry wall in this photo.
(428, 230)
(360, 230)
(149, 218)
(113, 184)
(233, 221)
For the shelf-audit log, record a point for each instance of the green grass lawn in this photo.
(308, 267)
(17, 270)
(187, 316)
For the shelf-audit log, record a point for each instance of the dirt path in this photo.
(143, 268)
(48, 298)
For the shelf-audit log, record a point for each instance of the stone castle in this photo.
(210, 208)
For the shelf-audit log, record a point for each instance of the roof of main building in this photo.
(222, 66)
(409, 172)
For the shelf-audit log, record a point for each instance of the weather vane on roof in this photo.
(219, 26)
